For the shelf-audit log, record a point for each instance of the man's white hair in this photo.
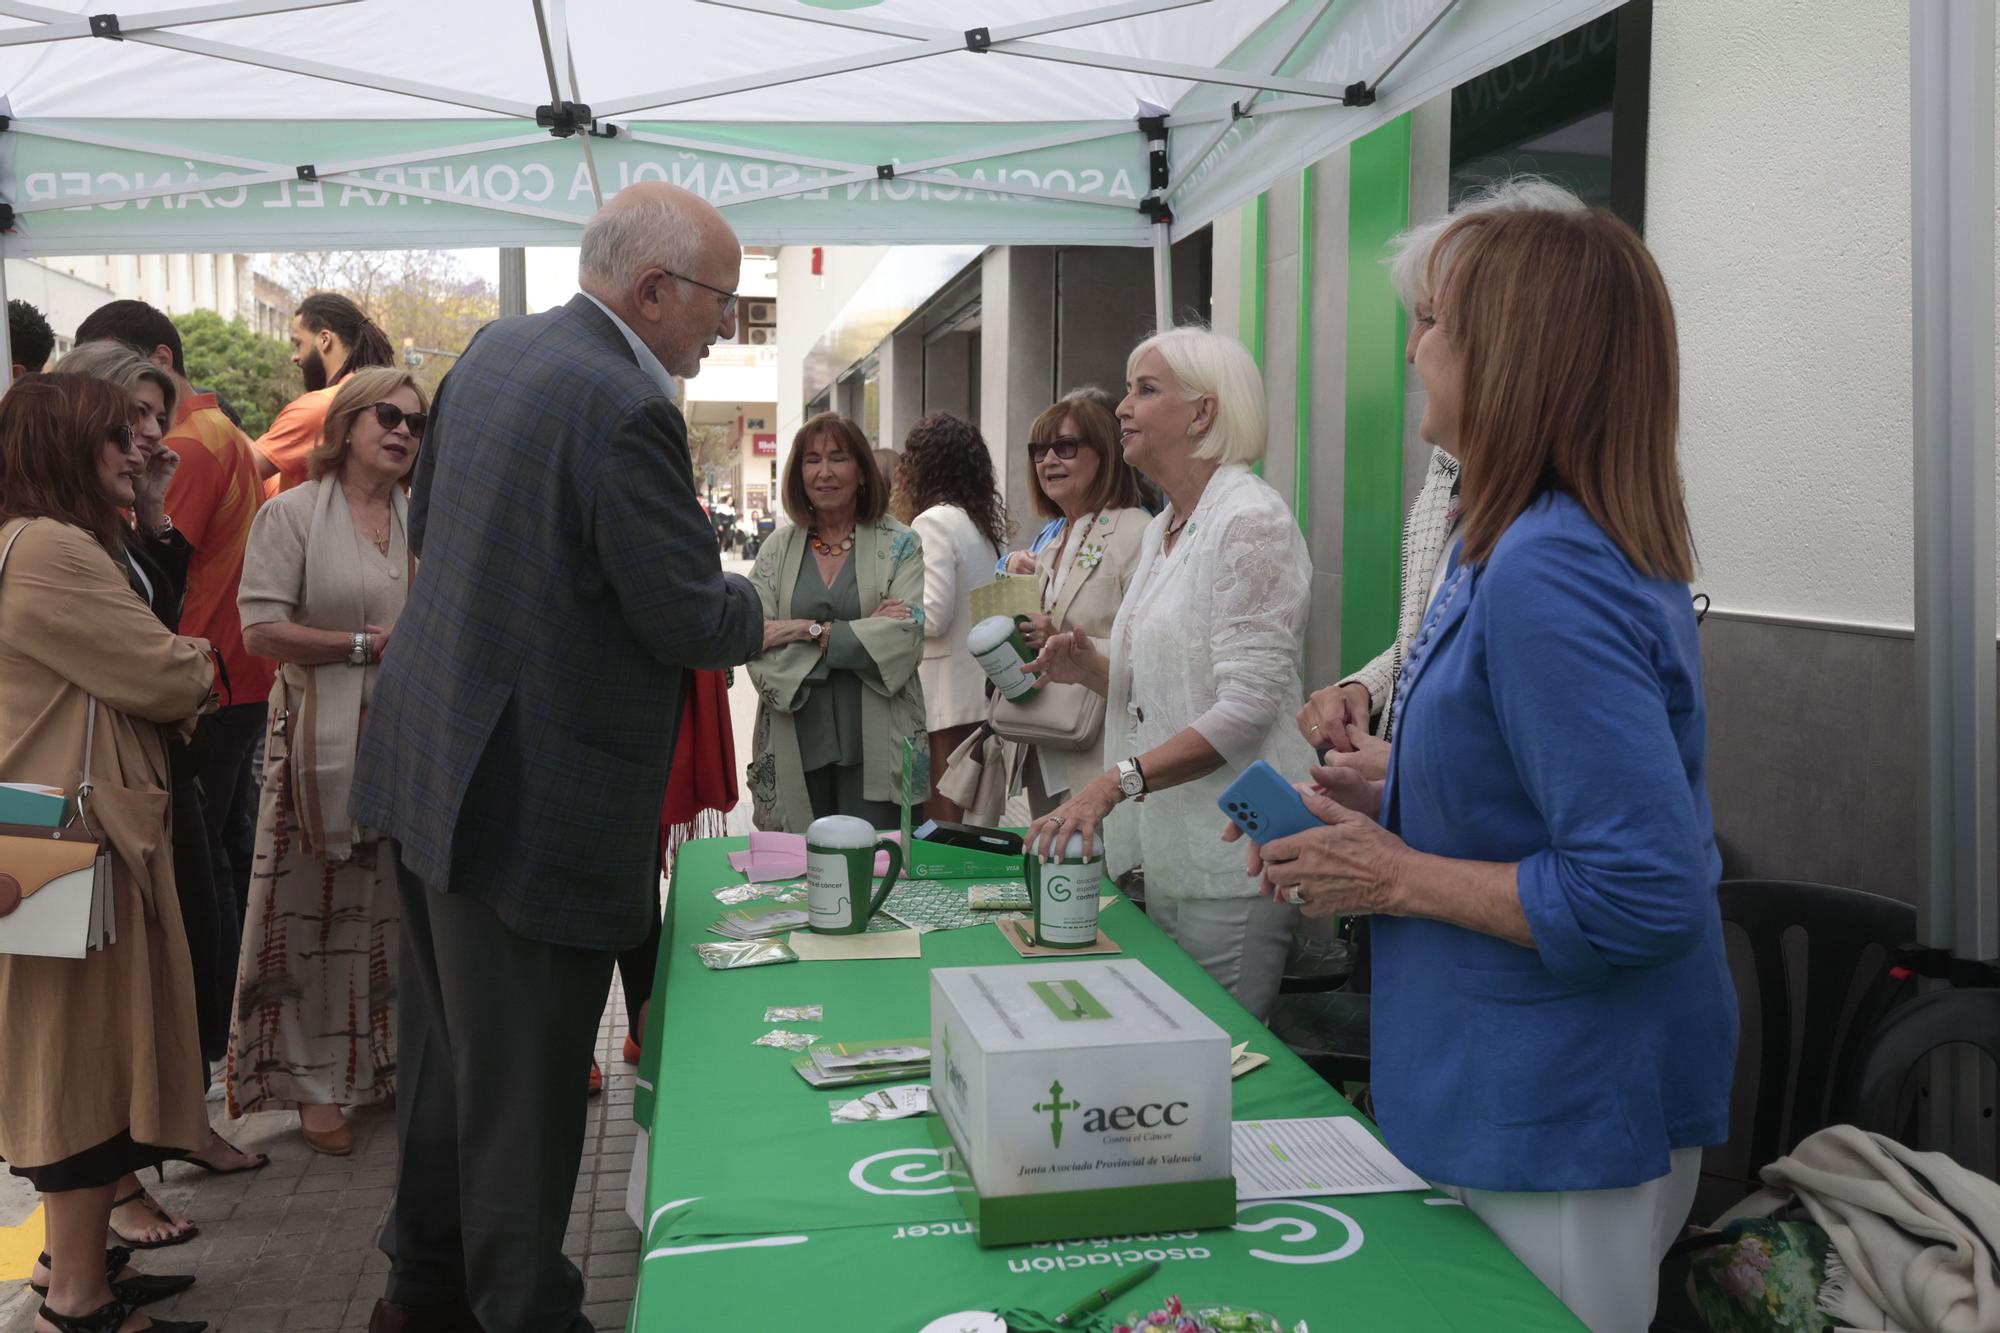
(621, 243)
(1205, 362)
(1410, 251)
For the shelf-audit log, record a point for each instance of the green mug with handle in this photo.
(1064, 894)
(840, 867)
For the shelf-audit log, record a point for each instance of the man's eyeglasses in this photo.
(122, 437)
(1063, 447)
(728, 297)
(390, 416)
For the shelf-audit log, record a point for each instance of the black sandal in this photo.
(193, 1159)
(107, 1318)
(154, 1204)
(135, 1291)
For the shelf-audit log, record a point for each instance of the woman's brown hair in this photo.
(1565, 333)
(945, 462)
(1117, 484)
(830, 429)
(358, 392)
(52, 428)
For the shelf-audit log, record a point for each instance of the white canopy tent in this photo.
(305, 124)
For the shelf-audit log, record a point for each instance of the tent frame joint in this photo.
(106, 26)
(1157, 210)
(564, 120)
(1357, 93)
(885, 171)
(978, 40)
(6, 217)
(307, 172)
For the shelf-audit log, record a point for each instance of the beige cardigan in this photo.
(107, 1043)
(1089, 601)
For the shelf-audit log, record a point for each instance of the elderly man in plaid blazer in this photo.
(519, 741)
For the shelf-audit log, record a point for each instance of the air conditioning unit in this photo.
(760, 312)
(760, 337)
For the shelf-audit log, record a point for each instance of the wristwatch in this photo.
(816, 630)
(162, 532)
(363, 651)
(1131, 779)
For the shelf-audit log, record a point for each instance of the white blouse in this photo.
(1210, 637)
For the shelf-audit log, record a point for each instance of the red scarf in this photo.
(701, 788)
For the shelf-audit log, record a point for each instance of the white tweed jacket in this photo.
(1424, 534)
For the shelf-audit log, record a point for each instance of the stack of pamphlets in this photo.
(760, 919)
(840, 1064)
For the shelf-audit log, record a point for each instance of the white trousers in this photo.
(1599, 1251)
(1241, 942)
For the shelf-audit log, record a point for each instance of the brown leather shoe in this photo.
(333, 1142)
(389, 1317)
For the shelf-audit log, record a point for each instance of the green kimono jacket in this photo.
(888, 562)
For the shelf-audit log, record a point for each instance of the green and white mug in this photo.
(1001, 650)
(840, 868)
(1064, 894)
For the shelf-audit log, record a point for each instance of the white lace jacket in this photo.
(1209, 637)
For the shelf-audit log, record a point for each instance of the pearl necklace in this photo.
(842, 547)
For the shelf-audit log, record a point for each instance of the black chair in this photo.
(1819, 976)
(1812, 964)
(1891, 1091)
(1322, 1012)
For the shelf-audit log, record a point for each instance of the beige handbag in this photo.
(1056, 717)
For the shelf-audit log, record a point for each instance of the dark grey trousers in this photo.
(494, 1040)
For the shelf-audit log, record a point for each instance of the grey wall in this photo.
(950, 364)
(1812, 744)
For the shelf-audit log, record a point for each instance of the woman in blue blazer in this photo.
(1554, 1024)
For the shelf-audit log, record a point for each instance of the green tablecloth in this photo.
(761, 1214)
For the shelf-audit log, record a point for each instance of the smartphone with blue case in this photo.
(1265, 806)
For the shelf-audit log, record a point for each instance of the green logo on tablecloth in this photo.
(1055, 1106)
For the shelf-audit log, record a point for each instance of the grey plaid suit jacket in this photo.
(525, 716)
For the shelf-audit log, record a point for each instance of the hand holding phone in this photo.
(1264, 806)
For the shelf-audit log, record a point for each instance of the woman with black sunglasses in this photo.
(325, 575)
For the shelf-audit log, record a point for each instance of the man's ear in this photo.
(163, 357)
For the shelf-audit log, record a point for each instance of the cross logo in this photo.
(1055, 1106)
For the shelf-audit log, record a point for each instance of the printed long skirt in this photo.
(314, 1020)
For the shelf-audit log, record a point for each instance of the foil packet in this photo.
(788, 1041)
(795, 1013)
(723, 955)
(743, 893)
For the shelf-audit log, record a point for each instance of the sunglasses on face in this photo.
(122, 437)
(389, 416)
(1063, 447)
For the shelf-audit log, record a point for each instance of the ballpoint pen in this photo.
(1103, 1296)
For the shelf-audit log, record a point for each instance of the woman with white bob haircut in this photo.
(1201, 670)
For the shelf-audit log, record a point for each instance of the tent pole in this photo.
(1163, 276)
(6, 330)
(1951, 216)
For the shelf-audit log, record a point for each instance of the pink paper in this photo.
(773, 857)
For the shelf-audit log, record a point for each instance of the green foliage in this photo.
(254, 373)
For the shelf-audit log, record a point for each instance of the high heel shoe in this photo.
(135, 1291)
(107, 1318)
(192, 1159)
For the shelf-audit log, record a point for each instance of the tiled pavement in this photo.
(293, 1246)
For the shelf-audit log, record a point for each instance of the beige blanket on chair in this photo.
(1917, 1234)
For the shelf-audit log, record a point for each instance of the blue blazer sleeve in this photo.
(1581, 668)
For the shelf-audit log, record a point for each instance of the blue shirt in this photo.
(1551, 714)
(1050, 532)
